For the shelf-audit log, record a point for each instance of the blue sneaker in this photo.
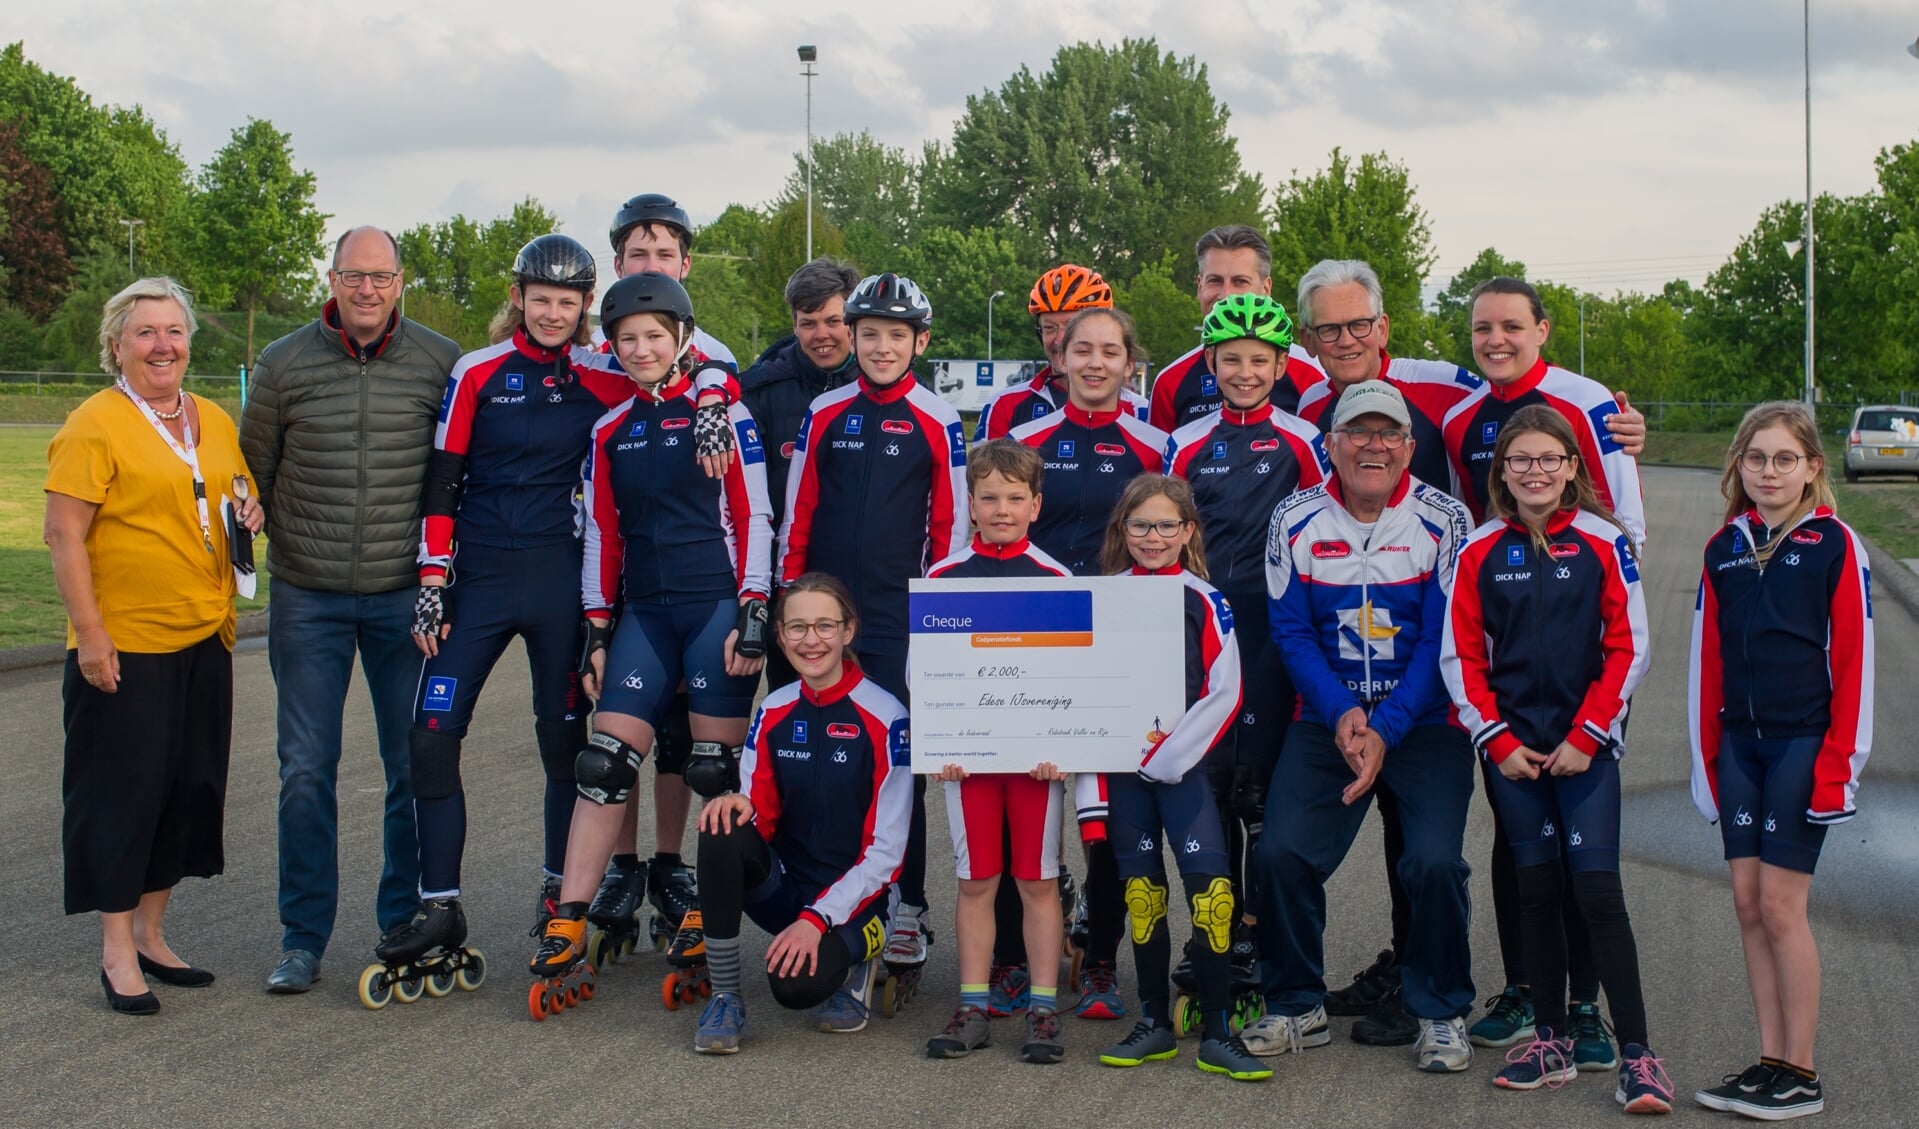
(1508, 1019)
(1010, 989)
(722, 1025)
(1099, 993)
(1592, 1041)
(850, 1007)
(1545, 1061)
(1643, 1085)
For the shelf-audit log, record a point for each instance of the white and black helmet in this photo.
(555, 260)
(890, 296)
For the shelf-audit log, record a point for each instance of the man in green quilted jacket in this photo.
(337, 429)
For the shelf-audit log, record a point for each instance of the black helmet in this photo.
(649, 207)
(642, 293)
(555, 260)
(890, 296)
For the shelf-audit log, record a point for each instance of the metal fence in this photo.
(100, 379)
(1724, 415)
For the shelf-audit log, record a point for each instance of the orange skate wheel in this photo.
(536, 1001)
(586, 991)
(706, 989)
(670, 993)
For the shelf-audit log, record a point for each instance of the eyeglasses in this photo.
(1140, 527)
(793, 631)
(1784, 462)
(1360, 328)
(1520, 464)
(351, 279)
(1391, 438)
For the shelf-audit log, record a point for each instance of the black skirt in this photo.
(145, 781)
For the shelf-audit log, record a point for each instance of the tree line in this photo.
(1116, 157)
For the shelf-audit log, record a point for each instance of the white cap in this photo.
(1372, 397)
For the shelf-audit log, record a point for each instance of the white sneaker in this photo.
(1443, 1048)
(1277, 1034)
(906, 943)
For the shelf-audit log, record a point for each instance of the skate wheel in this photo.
(706, 989)
(473, 973)
(889, 997)
(586, 991)
(597, 948)
(439, 983)
(572, 997)
(536, 1001)
(626, 947)
(375, 992)
(670, 992)
(1185, 1015)
(409, 987)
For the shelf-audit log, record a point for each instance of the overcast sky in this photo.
(1606, 143)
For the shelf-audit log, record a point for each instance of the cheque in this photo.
(1077, 671)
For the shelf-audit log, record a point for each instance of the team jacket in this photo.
(875, 494)
(1187, 389)
(1432, 389)
(1472, 429)
(1357, 616)
(506, 455)
(658, 530)
(832, 793)
(980, 559)
(1090, 457)
(1212, 683)
(1784, 652)
(1543, 648)
(1024, 403)
(1242, 465)
(778, 389)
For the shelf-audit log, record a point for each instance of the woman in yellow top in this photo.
(136, 484)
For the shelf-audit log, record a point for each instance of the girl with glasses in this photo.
(810, 844)
(1546, 639)
(1780, 701)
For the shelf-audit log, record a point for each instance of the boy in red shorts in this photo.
(1003, 494)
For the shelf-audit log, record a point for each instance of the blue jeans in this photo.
(1307, 834)
(311, 638)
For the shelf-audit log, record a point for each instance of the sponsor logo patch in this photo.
(676, 424)
(1331, 550)
(842, 731)
(515, 382)
(1265, 444)
(439, 694)
(1066, 447)
(1109, 449)
(786, 450)
(1564, 549)
(853, 425)
(639, 428)
(799, 733)
(1515, 554)
(896, 427)
(1807, 536)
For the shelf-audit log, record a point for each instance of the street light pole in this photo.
(1810, 395)
(1582, 335)
(809, 55)
(989, 321)
(130, 225)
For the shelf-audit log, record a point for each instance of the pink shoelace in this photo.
(1539, 1049)
(1651, 1072)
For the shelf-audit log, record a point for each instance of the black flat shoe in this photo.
(146, 1003)
(183, 976)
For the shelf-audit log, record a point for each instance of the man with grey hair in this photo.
(814, 359)
(1232, 259)
(337, 428)
(1344, 326)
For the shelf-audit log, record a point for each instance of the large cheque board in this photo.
(1082, 672)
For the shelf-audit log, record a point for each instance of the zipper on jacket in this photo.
(1539, 619)
(1745, 638)
(866, 486)
(359, 526)
(1371, 692)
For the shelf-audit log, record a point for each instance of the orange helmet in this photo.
(1069, 288)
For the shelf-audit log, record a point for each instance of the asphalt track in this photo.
(232, 1055)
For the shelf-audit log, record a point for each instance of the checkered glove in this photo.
(712, 434)
(429, 611)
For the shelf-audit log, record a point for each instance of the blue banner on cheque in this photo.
(1007, 619)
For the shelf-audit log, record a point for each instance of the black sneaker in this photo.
(1790, 1095)
(1367, 989)
(1387, 1025)
(1756, 1077)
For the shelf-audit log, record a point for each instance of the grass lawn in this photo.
(30, 610)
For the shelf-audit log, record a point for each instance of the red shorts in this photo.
(982, 808)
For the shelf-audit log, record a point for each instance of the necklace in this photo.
(179, 408)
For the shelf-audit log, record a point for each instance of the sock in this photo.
(572, 911)
(1047, 998)
(1768, 1060)
(665, 858)
(1215, 1025)
(971, 995)
(1802, 1072)
(628, 863)
(723, 964)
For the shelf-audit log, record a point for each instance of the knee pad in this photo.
(606, 770)
(433, 761)
(1213, 913)
(713, 768)
(673, 741)
(1146, 905)
(560, 741)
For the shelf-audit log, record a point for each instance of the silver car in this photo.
(1884, 440)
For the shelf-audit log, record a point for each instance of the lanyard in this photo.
(188, 454)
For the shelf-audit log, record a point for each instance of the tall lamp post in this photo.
(1810, 396)
(989, 321)
(809, 55)
(130, 225)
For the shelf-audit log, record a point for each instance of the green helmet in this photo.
(1239, 316)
